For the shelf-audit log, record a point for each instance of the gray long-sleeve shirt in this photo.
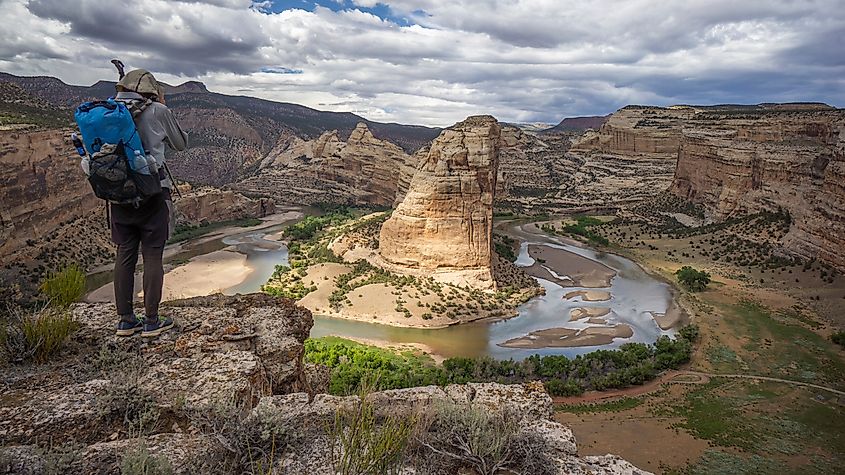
(157, 127)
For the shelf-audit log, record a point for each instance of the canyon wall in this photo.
(769, 159)
(638, 131)
(49, 216)
(445, 221)
(360, 170)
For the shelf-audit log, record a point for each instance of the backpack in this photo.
(119, 170)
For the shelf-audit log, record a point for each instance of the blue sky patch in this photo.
(279, 70)
(381, 10)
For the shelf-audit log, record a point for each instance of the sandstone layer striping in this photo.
(361, 170)
(733, 159)
(771, 159)
(445, 222)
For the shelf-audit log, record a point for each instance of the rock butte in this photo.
(361, 170)
(444, 224)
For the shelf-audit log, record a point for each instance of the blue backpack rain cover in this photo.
(119, 171)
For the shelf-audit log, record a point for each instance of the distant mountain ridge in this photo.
(229, 135)
(577, 124)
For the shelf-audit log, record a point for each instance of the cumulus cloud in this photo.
(521, 60)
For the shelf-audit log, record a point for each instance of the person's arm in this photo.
(176, 138)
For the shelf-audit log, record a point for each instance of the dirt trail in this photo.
(678, 377)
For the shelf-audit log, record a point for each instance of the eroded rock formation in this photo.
(769, 159)
(445, 221)
(49, 216)
(207, 204)
(361, 170)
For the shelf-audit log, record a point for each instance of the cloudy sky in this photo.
(434, 62)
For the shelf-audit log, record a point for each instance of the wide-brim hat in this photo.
(140, 81)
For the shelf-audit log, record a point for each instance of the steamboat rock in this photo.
(445, 222)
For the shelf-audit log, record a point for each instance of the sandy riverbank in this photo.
(216, 268)
(567, 269)
(569, 337)
(202, 275)
(373, 303)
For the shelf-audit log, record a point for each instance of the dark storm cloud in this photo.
(183, 41)
(521, 60)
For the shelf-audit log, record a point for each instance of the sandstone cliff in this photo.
(638, 131)
(361, 170)
(737, 162)
(445, 222)
(204, 204)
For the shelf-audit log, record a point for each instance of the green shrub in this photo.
(692, 279)
(689, 333)
(139, 461)
(454, 437)
(64, 287)
(35, 335)
(362, 445)
(839, 338)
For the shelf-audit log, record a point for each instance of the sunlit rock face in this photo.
(362, 170)
(792, 158)
(445, 221)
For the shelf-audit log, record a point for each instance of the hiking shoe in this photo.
(156, 328)
(126, 328)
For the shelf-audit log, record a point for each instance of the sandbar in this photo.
(670, 319)
(569, 337)
(589, 295)
(572, 270)
(585, 312)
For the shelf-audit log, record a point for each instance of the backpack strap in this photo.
(137, 106)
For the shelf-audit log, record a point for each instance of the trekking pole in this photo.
(167, 169)
(119, 65)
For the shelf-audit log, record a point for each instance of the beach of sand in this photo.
(589, 295)
(202, 275)
(569, 337)
(567, 269)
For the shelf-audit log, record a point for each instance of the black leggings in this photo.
(145, 228)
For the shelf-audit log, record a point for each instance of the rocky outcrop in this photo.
(771, 158)
(444, 224)
(577, 124)
(223, 390)
(226, 350)
(306, 418)
(361, 170)
(206, 204)
(638, 131)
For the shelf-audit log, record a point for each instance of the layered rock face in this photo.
(638, 131)
(767, 159)
(360, 170)
(50, 217)
(445, 221)
(206, 204)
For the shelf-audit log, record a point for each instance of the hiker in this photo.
(150, 224)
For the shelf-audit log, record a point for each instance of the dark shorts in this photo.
(148, 223)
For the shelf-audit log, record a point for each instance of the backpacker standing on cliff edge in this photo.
(140, 216)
